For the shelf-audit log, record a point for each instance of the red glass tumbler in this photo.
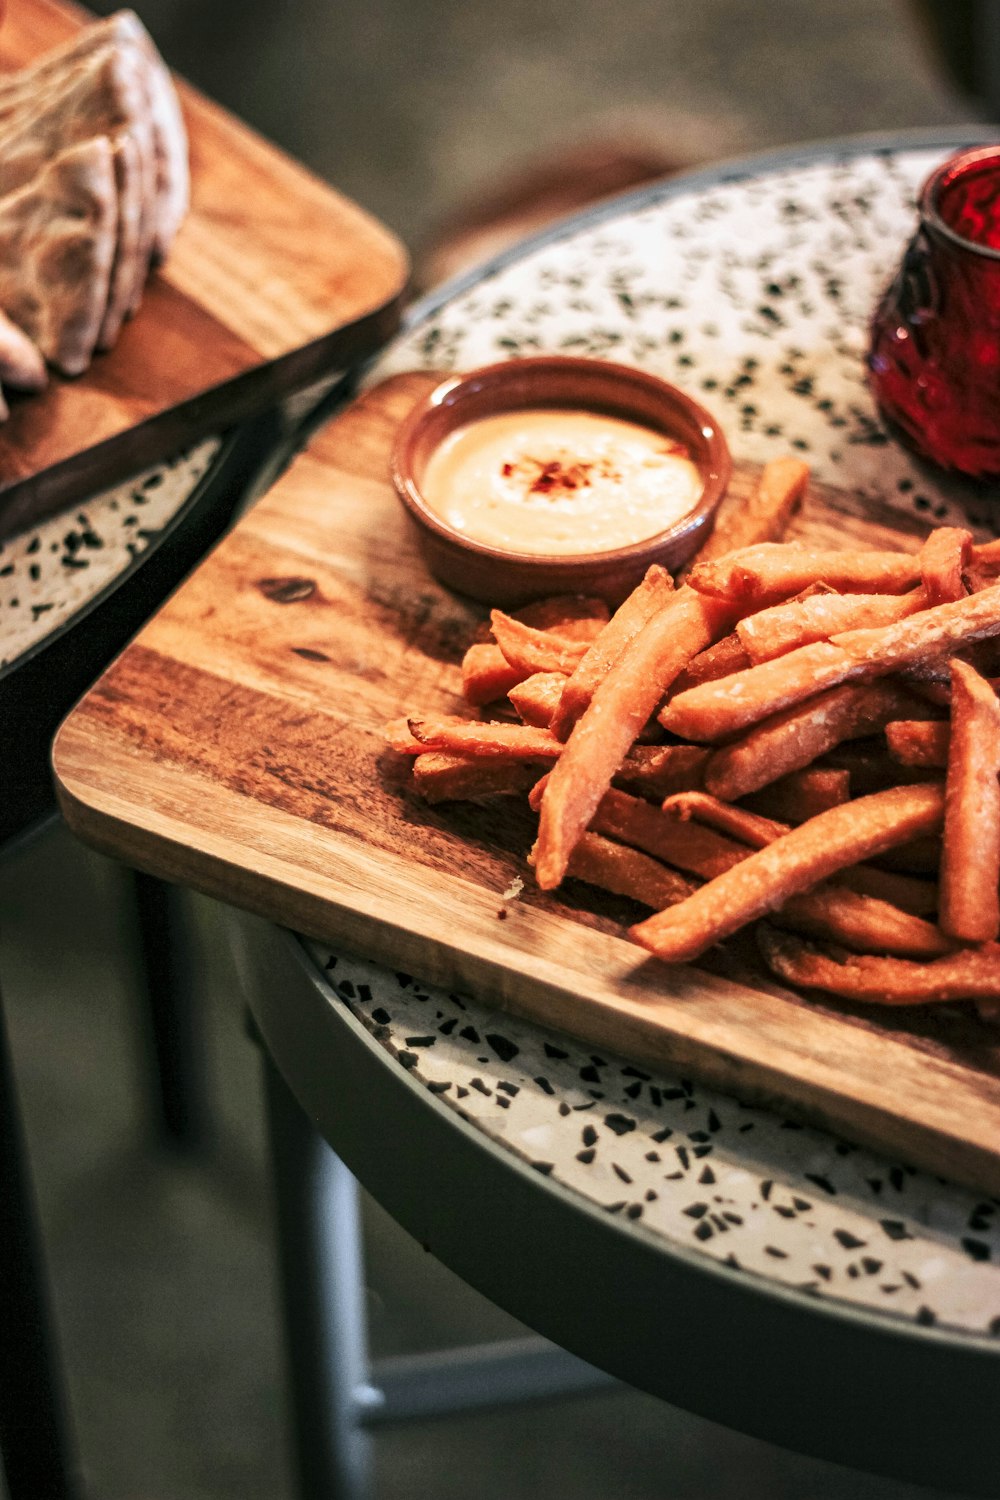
(935, 344)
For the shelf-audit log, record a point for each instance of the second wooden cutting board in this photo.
(274, 280)
(237, 747)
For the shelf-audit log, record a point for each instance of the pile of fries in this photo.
(806, 736)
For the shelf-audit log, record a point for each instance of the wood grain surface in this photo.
(273, 281)
(237, 747)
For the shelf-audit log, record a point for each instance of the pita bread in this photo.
(170, 137)
(104, 93)
(122, 27)
(21, 363)
(57, 242)
(122, 31)
(128, 269)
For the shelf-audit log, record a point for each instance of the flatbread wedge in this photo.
(57, 242)
(103, 94)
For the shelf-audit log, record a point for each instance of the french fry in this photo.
(914, 743)
(794, 738)
(969, 974)
(629, 618)
(626, 872)
(801, 794)
(792, 864)
(749, 827)
(537, 697)
(799, 622)
(400, 737)
(652, 772)
(688, 846)
(459, 737)
(616, 714)
(829, 912)
(440, 777)
(707, 852)
(943, 557)
(716, 710)
(757, 832)
(840, 915)
(487, 674)
(761, 517)
(755, 577)
(716, 661)
(532, 650)
(970, 862)
(987, 554)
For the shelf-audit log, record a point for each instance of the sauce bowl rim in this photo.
(714, 466)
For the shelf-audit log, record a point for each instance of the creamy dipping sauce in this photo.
(559, 481)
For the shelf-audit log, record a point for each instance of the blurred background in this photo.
(421, 110)
(459, 123)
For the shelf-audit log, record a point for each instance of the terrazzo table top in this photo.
(50, 573)
(752, 289)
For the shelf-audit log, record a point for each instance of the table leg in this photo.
(175, 1045)
(34, 1433)
(322, 1283)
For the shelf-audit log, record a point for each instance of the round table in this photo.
(761, 1273)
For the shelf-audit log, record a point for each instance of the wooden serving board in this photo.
(274, 281)
(237, 747)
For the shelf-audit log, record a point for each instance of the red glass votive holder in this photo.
(935, 345)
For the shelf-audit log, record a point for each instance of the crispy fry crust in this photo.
(440, 777)
(757, 576)
(537, 697)
(914, 743)
(616, 714)
(866, 923)
(459, 737)
(629, 618)
(799, 622)
(969, 974)
(627, 872)
(655, 771)
(943, 558)
(970, 863)
(487, 674)
(689, 846)
(531, 650)
(793, 739)
(808, 854)
(725, 657)
(749, 827)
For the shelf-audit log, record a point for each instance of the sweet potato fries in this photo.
(798, 735)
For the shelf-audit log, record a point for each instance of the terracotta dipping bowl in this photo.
(508, 579)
